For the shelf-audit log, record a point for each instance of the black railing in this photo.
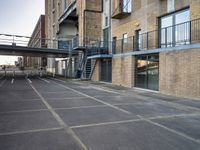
(93, 46)
(25, 41)
(172, 36)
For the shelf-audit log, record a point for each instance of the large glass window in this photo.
(127, 5)
(147, 71)
(175, 29)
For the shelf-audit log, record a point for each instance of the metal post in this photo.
(190, 30)
(147, 40)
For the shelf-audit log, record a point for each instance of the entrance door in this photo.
(147, 71)
(106, 70)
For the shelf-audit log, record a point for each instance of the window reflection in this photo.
(175, 29)
(147, 72)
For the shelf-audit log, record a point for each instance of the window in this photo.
(64, 4)
(106, 21)
(175, 29)
(147, 71)
(125, 38)
(53, 4)
(53, 17)
(126, 6)
(105, 37)
(138, 39)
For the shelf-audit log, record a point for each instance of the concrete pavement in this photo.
(53, 114)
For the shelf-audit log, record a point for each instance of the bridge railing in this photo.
(25, 41)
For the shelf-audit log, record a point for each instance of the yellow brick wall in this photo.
(179, 73)
(145, 13)
(123, 71)
(96, 73)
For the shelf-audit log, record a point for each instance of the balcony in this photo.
(122, 9)
(93, 46)
(69, 13)
(173, 36)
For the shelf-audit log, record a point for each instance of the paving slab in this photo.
(82, 116)
(7, 106)
(23, 121)
(72, 102)
(189, 125)
(48, 140)
(120, 99)
(13, 95)
(95, 92)
(155, 109)
(192, 103)
(61, 95)
(133, 136)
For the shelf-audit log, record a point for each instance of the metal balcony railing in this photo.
(172, 36)
(122, 10)
(93, 46)
(25, 41)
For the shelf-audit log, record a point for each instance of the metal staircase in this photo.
(86, 66)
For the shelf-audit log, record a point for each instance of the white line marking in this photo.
(81, 107)
(29, 80)
(168, 129)
(133, 120)
(2, 83)
(100, 101)
(12, 81)
(59, 120)
(59, 80)
(174, 116)
(23, 111)
(44, 80)
(66, 98)
(29, 131)
(106, 90)
(106, 123)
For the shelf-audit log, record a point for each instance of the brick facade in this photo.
(97, 70)
(180, 73)
(123, 71)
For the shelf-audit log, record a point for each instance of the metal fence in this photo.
(172, 36)
(25, 41)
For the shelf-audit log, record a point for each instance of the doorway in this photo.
(147, 71)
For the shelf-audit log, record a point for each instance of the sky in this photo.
(19, 17)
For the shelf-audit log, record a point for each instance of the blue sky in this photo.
(19, 17)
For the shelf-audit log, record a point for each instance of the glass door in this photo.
(175, 29)
(147, 72)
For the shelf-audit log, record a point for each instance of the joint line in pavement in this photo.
(12, 81)
(170, 130)
(23, 111)
(29, 80)
(44, 80)
(29, 131)
(60, 121)
(105, 123)
(95, 99)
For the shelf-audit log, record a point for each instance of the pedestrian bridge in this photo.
(27, 46)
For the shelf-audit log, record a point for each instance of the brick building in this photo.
(72, 20)
(37, 40)
(155, 46)
(148, 44)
